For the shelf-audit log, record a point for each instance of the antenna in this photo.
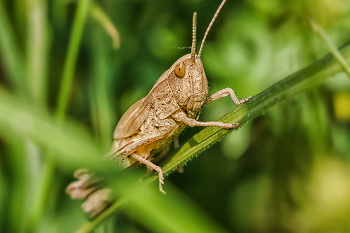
(194, 40)
(211, 24)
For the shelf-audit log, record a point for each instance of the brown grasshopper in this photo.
(153, 122)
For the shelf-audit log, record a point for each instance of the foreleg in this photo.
(225, 92)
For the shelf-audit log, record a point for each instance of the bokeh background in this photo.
(286, 171)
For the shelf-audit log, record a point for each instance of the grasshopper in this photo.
(153, 122)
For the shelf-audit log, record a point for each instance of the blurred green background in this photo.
(287, 171)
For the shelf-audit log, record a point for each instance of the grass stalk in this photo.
(106, 23)
(91, 225)
(10, 53)
(317, 28)
(37, 51)
(71, 58)
(38, 82)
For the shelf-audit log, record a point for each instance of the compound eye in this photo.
(180, 70)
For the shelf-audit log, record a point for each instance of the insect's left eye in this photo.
(180, 70)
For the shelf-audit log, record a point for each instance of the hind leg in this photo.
(139, 151)
(154, 167)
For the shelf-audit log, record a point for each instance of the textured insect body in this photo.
(153, 122)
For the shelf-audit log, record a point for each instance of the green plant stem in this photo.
(108, 25)
(330, 45)
(90, 226)
(37, 51)
(11, 55)
(67, 79)
(66, 84)
(285, 89)
(70, 61)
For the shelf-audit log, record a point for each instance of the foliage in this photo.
(64, 85)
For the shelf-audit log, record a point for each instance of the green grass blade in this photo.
(10, 53)
(37, 50)
(70, 61)
(317, 28)
(106, 23)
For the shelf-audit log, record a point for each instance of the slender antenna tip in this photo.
(210, 24)
(194, 40)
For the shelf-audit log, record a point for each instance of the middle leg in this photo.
(181, 116)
